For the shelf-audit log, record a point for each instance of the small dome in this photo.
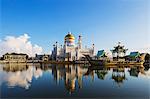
(69, 36)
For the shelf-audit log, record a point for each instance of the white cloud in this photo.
(19, 44)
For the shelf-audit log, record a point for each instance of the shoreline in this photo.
(110, 64)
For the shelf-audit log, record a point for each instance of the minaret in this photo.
(65, 44)
(93, 47)
(80, 42)
(56, 47)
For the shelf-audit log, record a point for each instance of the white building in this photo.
(70, 51)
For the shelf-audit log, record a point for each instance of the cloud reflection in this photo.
(22, 78)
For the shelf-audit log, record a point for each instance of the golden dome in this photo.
(69, 36)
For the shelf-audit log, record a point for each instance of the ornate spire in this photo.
(80, 42)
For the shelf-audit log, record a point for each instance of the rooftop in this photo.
(15, 54)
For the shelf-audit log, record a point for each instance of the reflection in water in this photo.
(101, 73)
(134, 72)
(20, 75)
(118, 75)
(72, 75)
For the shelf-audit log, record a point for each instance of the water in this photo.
(58, 81)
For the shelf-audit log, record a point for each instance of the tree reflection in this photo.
(134, 71)
(101, 73)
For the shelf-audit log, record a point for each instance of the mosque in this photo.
(71, 51)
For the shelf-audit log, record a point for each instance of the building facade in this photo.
(119, 52)
(71, 51)
(15, 57)
(44, 57)
(136, 56)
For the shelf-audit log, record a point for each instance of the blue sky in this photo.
(102, 22)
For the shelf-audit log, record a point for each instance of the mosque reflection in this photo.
(72, 75)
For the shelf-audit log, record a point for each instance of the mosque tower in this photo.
(70, 51)
(69, 40)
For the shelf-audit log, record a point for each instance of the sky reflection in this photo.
(74, 80)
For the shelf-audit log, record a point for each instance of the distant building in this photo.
(15, 57)
(136, 56)
(44, 57)
(70, 51)
(101, 54)
(119, 52)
